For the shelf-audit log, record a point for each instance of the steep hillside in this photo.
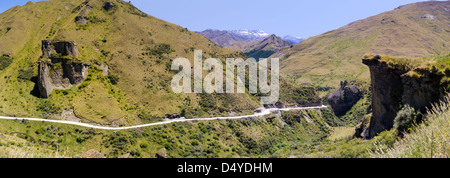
(103, 62)
(128, 52)
(415, 30)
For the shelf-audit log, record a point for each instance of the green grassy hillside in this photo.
(289, 134)
(137, 49)
(415, 30)
(134, 49)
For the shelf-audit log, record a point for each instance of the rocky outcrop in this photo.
(44, 83)
(82, 18)
(362, 129)
(105, 68)
(59, 68)
(343, 99)
(58, 49)
(162, 153)
(393, 88)
(108, 6)
(387, 91)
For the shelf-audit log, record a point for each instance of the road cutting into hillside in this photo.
(167, 121)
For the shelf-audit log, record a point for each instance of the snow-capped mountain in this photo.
(229, 37)
(251, 34)
(254, 43)
(293, 40)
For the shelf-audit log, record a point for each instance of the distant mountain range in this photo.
(223, 38)
(252, 35)
(254, 43)
(262, 48)
(293, 40)
(227, 38)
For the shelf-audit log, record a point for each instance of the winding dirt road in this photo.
(262, 113)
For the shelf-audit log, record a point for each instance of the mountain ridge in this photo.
(256, 43)
(264, 47)
(227, 38)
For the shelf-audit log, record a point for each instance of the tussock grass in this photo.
(427, 140)
(14, 147)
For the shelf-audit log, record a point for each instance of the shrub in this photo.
(143, 145)
(120, 143)
(406, 118)
(159, 50)
(114, 79)
(94, 20)
(135, 153)
(146, 116)
(207, 101)
(48, 107)
(5, 61)
(25, 75)
(194, 143)
(80, 139)
(83, 85)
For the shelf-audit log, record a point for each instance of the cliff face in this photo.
(420, 93)
(393, 88)
(62, 70)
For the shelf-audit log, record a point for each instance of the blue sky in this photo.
(300, 18)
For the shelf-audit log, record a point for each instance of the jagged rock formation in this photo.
(343, 99)
(59, 68)
(392, 88)
(64, 48)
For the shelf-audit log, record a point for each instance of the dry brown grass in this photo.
(14, 147)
